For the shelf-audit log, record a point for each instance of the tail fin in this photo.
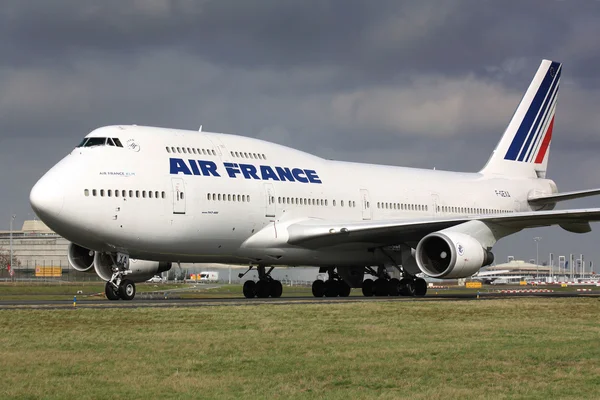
(523, 149)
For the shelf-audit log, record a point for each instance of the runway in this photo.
(150, 300)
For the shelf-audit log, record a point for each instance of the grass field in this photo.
(513, 348)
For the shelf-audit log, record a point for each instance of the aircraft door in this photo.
(365, 204)
(269, 200)
(434, 204)
(178, 196)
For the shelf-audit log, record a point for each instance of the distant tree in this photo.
(5, 259)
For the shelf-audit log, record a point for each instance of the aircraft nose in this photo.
(47, 198)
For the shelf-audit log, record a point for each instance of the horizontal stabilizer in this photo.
(556, 197)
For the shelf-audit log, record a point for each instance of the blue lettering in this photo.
(177, 165)
(249, 171)
(231, 169)
(312, 176)
(285, 174)
(208, 168)
(194, 167)
(267, 173)
(299, 175)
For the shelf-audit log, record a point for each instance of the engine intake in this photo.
(141, 270)
(451, 255)
(80, 258)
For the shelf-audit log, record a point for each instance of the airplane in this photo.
(134, 200)
(495, 277)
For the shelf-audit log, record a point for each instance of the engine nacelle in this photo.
(80, 258)
(141, 270)
(451, 255)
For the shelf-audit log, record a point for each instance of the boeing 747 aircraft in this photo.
(134, 199)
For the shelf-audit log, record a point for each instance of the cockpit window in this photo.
(95, 141)
(100, 141)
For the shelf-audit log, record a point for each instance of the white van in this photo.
(209, 276)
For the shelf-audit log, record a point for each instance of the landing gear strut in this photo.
(333, 287)
(265, 287)
(119, 287)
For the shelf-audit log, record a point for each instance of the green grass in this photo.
(534, 348)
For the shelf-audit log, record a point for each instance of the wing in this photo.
(321, 233)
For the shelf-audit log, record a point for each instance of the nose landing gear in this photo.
(118, 287)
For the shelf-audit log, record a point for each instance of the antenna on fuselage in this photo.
(200, 129)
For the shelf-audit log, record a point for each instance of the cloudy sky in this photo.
(413, 83)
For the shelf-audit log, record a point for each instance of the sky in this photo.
(411, 83)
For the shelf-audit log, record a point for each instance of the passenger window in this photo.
(232, 154)
(94, 192)
(181, 195)
(137, 193)
(143, 194)
(228, 197)
(208, 196)
(123, 193)
(214, 153)
(150, 194)
(193, 150)
(86, 192)
(238, 197)
(168, 150)
(184, 152)
(116, 193)
(101, 192)
(163, 195)
(131, 193)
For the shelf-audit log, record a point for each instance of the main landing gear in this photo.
(407, 286)
(265, 287)
(332, 287)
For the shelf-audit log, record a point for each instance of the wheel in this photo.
(276, 289)
(394, 287)
(127, 289)
(380, 287)
(111, 292)
(407, 287)
(367, 287)
(249, 289)
(331, 288)
(420, 287)
(318, 288)
(263, 289)
(343, 288)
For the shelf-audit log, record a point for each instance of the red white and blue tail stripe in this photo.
(523, 149)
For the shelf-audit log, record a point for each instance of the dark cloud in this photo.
(426, 84)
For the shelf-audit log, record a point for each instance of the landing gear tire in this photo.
(420, 287)
(276, 289)
(111, 292)
(263, 289)
(331, 288)
(318, 288)
(380, 288)
(127, 289)
(249, 289)
(407, 287)
(394, 287)
(343, 288)
(367, 287)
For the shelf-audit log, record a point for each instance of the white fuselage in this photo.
(149, 200)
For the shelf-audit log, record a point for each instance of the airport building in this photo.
(35, 245)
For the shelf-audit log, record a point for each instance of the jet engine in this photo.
(141, 270)
(80, 258)
(451, 255)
